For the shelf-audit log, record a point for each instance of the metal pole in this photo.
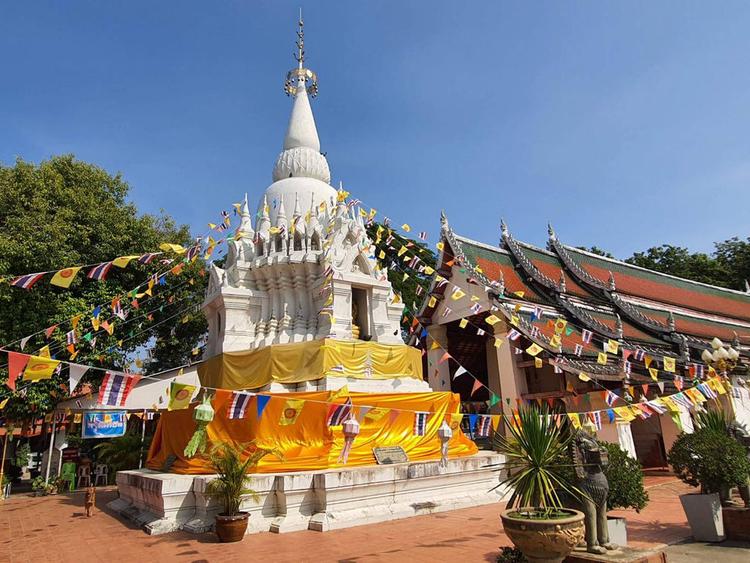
(51, 444)
(143, 439)
(2, 464)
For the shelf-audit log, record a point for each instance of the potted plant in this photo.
(712, 460)
(625, 477)
(39, 486)
(535, 519)
(231, 462)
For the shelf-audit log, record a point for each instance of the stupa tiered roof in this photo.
(641, 309)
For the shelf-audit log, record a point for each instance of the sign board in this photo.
(390, 455)
(104, 424)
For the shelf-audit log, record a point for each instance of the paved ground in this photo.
(55, 529)
(725, 552)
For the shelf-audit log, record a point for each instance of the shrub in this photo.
(511, 555)
(625, 477)
(709, 459)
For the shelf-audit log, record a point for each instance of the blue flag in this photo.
(262, 401)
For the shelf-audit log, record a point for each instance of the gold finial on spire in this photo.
(300, 56)
(300, 77)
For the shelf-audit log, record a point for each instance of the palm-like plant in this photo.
(122, 453)
(536, 451)
(712, 420)
(231, 463)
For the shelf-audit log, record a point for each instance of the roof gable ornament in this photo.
(670, 322)
(561, 287)
(551, 232)
(618, 326)
(612, 286)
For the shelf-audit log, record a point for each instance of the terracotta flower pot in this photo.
(231, 528)
(544, 541)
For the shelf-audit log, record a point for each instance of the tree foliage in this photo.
(64, 212)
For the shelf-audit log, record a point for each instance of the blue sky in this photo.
(624, 124)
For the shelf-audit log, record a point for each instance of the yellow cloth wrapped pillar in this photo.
(309, 444)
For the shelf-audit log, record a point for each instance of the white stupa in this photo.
(276, 286)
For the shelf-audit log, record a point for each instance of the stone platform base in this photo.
(320, 500)
(621, 555)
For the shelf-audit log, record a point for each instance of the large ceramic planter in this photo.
(704, 516)
(544, 541)
(231, 528)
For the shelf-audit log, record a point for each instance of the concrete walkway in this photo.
(55, 529)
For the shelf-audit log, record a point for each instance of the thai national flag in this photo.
(596, 418)
(25, 282)
(99, 272)
(627, 368)
(611, 398)
(475, 308)
(578, 349)
(656, 407)
(639, 355)
(698, 370)
(338, 414)
(484, 425)
(707, 391)
(70, 337)
(193, 252)
(420, 423)
(239, 404)
(116, 387)
(513, 334)
(146, 258)
(586, 336)
(423, 235)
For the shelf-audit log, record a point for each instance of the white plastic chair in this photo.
(101, 471)
(84, 476)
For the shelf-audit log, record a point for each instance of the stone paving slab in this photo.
(55, 529)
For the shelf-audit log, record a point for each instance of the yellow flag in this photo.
(402, 251)
(538, 363)
(654, 373)
(341, 393)
(612, 346)
(39, 367)
(575, 421)
(212, 225)
(77, 418)
(373, 212)
(669, 364)
(492, 320)
(75, 320)
(95, 323)
(498, 342)
(362, 212)
(440, 245)
(428, 270)
(601, 358)
(381, 255)
(63, 278)
(44, 351)
(123, 261)
(624, 413)
(432, 302)
(474, 298)
(3, 403)
(434, 345)
(180, 395)
(555, 341)
(560, 326)
(406, 227)
(583, 377)
(406, 277)
(533, 350)
(457, 294)
(514, 320)
(647, 360)
(291, 411)
(376, 414)
(463, 323)
(169, 247)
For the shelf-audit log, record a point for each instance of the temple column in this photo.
(438, 374)
(504, 377)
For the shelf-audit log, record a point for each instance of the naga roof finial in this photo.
(612, 286)
(561, 284)
(551, 232)
(503, 228)
(618, 325)
(443, 219)
(670, 322)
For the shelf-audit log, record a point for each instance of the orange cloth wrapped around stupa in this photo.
(310, 444)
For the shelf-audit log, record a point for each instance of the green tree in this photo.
(679, 261)
(64, 212)
(733, 255)
(389, 241)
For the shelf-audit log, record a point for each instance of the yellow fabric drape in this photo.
(310, 444)
(307, 361)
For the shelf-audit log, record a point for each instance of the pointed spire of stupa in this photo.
(246, 223)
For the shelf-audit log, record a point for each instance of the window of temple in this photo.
(315, 242)
(297, 241)
(279, 243)
(259, 248)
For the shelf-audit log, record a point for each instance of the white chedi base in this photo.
(316, 500)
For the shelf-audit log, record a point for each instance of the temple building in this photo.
(598, 302)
